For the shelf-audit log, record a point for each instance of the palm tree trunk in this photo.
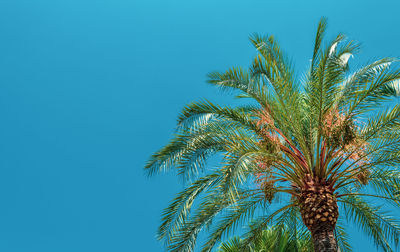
(324, 240)
(319, 211)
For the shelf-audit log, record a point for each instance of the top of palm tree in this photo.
(331, 132)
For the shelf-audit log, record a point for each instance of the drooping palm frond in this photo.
(342, 237)
(381, 227)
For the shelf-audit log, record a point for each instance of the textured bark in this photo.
(318, 208)
(319, 211)
(324, 240)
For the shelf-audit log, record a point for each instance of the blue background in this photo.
(89, 89)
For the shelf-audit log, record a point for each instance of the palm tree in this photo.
(319, 148)
(271, 240)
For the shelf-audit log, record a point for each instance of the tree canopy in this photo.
(319, 149)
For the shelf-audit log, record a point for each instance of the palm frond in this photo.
(373, 221)
(342, 237)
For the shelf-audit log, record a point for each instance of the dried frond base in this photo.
(318, 207)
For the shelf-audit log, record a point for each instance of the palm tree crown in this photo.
(316, 149)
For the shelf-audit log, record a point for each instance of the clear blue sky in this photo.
(89, 89)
